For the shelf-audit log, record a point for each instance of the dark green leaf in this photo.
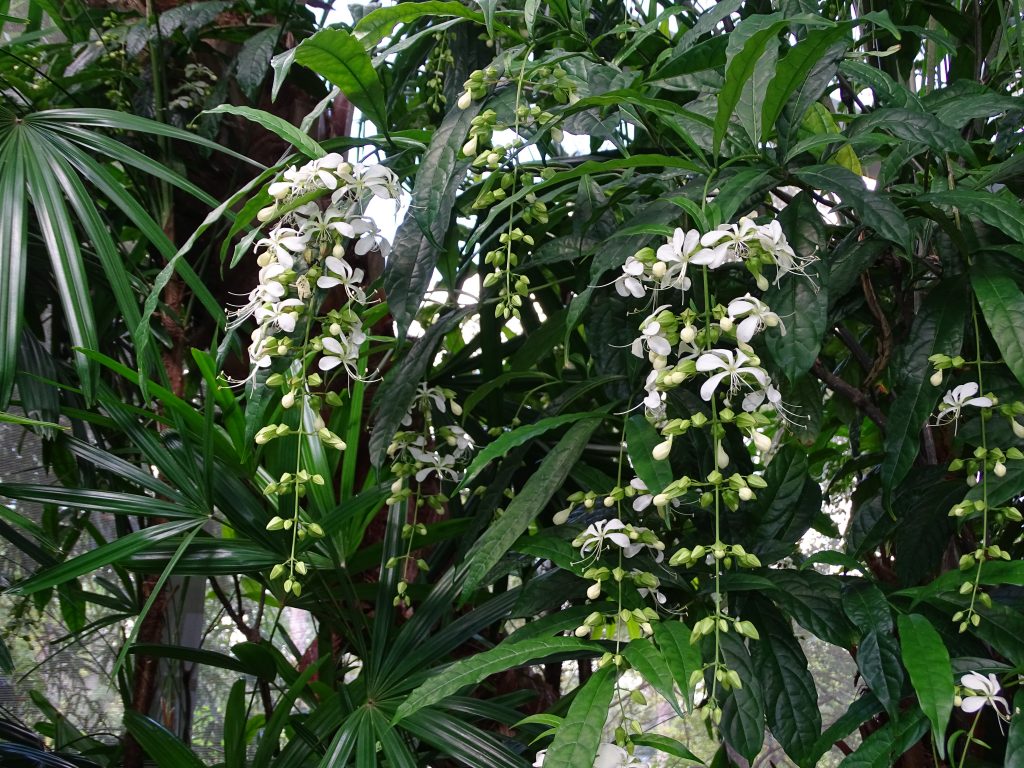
(743, 708)
(472, 670)
(910, 125)
(380, 23)
(883, 747)
(875, 209)
(1002, 304)
(234, 727)
(938, 328)
(667, 745)
(162, 746)
(641, 438)
(682, 656)
(253, 61)
(527, 504)
(879, 663)
(1015, 738)
(342, 60)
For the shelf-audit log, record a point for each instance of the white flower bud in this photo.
(722, 457)
(659, 269)
(288, 400)
(762, 283)
(582, 631)
(396, 486)
(469, 148)
(594, 590)
(279, 190)
(726, 324)
(1018, 428)
(762, 442)
(562, 516)
(688, 334)
(662, 450)
(456, 408)
(936, 378)
(999, 470)
(465, 100)
(266, 214)
(745, 494)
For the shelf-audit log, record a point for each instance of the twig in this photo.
(850, 392)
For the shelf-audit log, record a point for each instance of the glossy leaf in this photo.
(652, 667)
(381, 22)
(927, 662)
(743, 708)
(527, 504)
(340, 58)
(1002, 305)
(878, 660)
(577, 740)
(279, 126)
(162, 746)
(472, 670)
(874, 209)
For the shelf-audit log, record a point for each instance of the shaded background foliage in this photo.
(108, 171)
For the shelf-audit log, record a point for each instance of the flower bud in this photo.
(726, 324)
(469, 148)
(999, 470)
(562, 516)
(722, 457)
(594, 590)
(936, 379)
(688, 334)
(662, 450)
(465, 100)
(266, 214)
(745, 494)
(279, 189)
(288, 400)
(762, 442)
(1018, 428)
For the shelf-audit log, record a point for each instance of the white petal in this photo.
(707, 390)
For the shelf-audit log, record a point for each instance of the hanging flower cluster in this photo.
(318, 214)
(425, 454)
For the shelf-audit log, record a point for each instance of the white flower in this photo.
(343, 350)
(984, 689)
(539, 762)
(725, 245)
(629, 283)
(955, 399)
(729, 364)
(645, 497)
(284, 314)
(614, 756)
(596, 534)
(654, 336)
(675, 255)
(283, 243)
(754, 316)
(773, 241)
(340, 272)
(433, 462)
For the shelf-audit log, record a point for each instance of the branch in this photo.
(850, 392)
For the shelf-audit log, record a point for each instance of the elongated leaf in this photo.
(518, 436)
(874, 209)
(274, 124)
(879, 663)
(883, 747)
(234, 727)
(527, 504)
(641, 438)
(380, 23)
(282, 711)
(578, 738)
(860, 711)
(791, 700)
(410, 267)
(13, 259)
(195, 655)
(682, 656)
(1015, 738)
(914, 126)
(743, 708)
(667, 745)
(162, 746)
(466, 743)
(649, 662)
(927, 661)
(472, 670)
(746, 47)
(113, 552)
(342, 60)
(1002, 304)
(795, 67)
(253, 61)
(102, 501)
(938, 328)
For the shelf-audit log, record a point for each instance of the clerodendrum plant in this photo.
(706, 275)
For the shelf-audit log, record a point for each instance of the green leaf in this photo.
(879, 663)
(667, 745)
(505, 442)
(114, 552)
(472, 670)
(860, 711)
(1002, 304)
(1015, 738)
(282, 128)
(253, 61)
(883, 747)
(380, 23)
(746, 47)
(743, 708)
(749, 108)
(914, 126)
(682, 656)
(577, 740)
(410, 267)
(641, 438)
(795, 67)
(791, 700)
(651, 665)
(874, 209)
(235, 726)
(466, 743)
(938, 328)
(194, 655)
(342, 60)
(527, 504)
(270, 738)
(927, 661)
(162, 746)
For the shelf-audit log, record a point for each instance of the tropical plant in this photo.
(674, 282)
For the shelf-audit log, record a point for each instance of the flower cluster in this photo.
(425, 453)
(318, 216)
(609, 755)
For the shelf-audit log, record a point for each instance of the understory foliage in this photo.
(701, 330)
